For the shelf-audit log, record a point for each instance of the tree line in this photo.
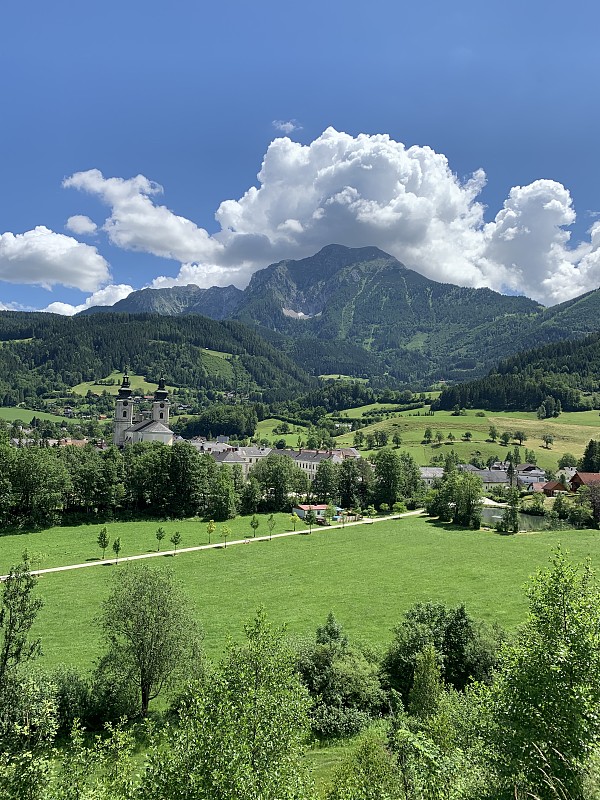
(40, 486)
(562, 373)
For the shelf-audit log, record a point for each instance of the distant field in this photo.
(571, 431)
(357, 413)
(217, 363)
(367, 575)
(217, 353)
(26, 415)
(264, 430)
(137, 382)
(344, 378)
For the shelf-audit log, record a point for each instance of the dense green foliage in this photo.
(535, 379)
(365, 314)
(466, 650)
(44, 353)
(343, 680)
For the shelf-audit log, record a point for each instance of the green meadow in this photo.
(77, 544)
(571, 432)
(264, 430)
(137, 382)
(26, 415)
(368, 575)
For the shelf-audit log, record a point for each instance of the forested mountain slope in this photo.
(42, 353)
(359, 311)
(567, 371)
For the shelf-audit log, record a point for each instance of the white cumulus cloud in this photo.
(81, 225)
(136, 223)
(360, 191)
(45, 258)
(103, 297)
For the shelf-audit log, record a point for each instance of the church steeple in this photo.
(160, 406)
(124, 392)
(161, 392)
(123, 412)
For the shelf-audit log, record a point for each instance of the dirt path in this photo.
(218, 545)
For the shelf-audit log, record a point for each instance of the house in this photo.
(530, 473)
(225, 453)
(584, 479)
(552, 488)
(302, 510)
(491, 478)
(429, 475)
(536, 487)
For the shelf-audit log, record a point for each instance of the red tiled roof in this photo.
(588, 477)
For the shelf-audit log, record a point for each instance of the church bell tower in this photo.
(123, 412)
(160, 405)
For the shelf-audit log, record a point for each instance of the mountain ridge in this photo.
(360, 311)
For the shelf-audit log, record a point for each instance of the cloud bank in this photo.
(357, 191)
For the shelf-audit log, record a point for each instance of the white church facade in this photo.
(129, 429)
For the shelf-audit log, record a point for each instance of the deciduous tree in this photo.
(545, 699)
(148, 629)
(103, 540)
(240, 736)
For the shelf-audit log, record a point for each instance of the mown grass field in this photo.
(368, 575)
(77, 544)
(137, 382)
(264, 430)
(571, 431)
(26, 415)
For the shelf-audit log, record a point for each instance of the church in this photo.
(149, 428)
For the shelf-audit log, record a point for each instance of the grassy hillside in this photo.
(571, 431)
(25, 415)
(368, 575)
(116, 377)
(264, 430)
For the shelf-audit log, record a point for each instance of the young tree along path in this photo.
(183, 550)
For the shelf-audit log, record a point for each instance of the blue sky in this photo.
(186, 94)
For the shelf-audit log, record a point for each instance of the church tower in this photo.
(123, 412)
(160, 405)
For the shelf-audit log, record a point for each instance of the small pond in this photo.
(490, 515)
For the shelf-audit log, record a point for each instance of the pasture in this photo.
(571, 432)
(367, 575)
(264, 430)
(137, 382)
(26, 415)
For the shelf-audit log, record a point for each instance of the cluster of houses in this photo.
(247, 457)
(527, 477)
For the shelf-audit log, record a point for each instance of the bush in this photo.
(330, 722)
(73, 697)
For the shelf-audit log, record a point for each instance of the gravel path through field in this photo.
(220, 545)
